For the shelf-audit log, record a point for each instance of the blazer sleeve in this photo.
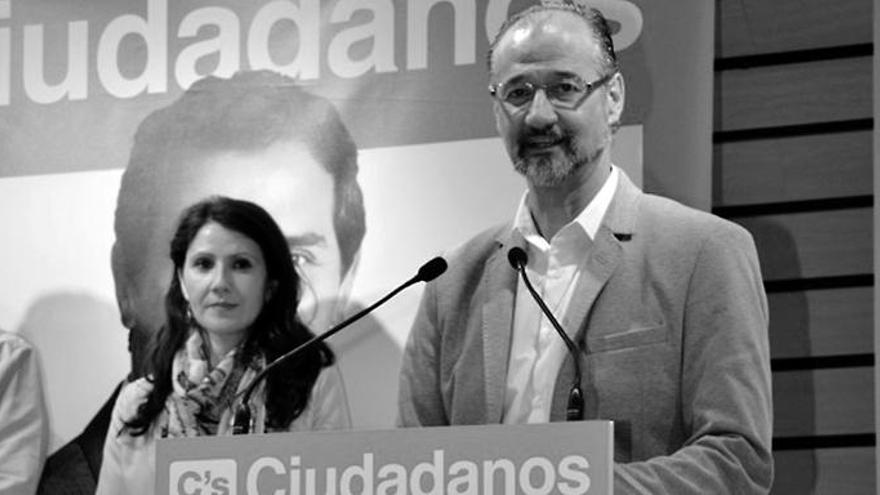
(420, 402)
(725, 383)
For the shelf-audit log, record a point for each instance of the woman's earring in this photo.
(190, 319)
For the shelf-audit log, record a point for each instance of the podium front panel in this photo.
(553, 458)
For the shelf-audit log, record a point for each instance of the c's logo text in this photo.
(214, 477)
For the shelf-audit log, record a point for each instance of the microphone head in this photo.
(431, 270)
(517, 257)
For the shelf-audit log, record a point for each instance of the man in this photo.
(257, 136)
(664, 303)
(24, 429)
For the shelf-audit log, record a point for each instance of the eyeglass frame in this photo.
(591, 87)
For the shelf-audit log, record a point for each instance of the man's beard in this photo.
(549, 170)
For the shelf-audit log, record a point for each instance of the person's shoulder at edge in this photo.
(132, 395)
(24, 427)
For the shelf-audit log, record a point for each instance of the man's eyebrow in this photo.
(541, 74)
(307, 239)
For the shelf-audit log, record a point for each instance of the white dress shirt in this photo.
(536, 351)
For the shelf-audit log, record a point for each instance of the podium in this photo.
(552, 458)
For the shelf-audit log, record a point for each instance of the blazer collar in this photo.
(621, 216)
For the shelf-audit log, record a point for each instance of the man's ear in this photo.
(124, 287)
(500, 117)
(344, 292)
(615, 97)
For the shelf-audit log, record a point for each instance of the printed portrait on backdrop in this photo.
(262, 137)
(256, 136)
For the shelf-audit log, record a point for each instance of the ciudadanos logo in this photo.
(569, 474)
(207, 477)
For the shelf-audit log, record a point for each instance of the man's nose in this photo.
(541, 113)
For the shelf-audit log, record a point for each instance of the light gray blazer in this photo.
(673, 338)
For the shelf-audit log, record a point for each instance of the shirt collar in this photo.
(589, 219)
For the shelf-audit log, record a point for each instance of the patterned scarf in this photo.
(201, 395)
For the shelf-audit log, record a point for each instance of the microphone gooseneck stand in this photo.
(575, 410)
(243, 419)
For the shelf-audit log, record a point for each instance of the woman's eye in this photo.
(242, 264)
(203, 263)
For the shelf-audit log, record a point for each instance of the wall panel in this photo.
(846, 471)
(813, 244)
(747, 27)
(823, 402)
(795, 168)
(821, 322)
(792, 94)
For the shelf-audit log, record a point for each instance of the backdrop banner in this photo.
(89, 210)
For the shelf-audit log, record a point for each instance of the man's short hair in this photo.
(248, 112)
(592, 16)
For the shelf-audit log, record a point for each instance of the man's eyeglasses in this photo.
(566, 92)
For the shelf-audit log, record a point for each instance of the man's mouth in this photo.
(542, 142)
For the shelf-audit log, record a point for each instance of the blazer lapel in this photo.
(497, 324)
(617, 228)
(604, 258)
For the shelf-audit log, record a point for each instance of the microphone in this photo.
(575, 410)
(242, 422)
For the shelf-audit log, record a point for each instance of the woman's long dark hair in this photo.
(276, 330)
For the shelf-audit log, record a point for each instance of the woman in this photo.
(230, 310)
